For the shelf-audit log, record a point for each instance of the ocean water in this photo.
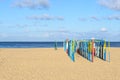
(114, 44)
(40, 44)
(30, 44)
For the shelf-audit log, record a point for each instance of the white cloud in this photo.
(94, 18)
(82, 19)
(32, 4)
(45, 17)
(109, 17)
(34, 24)
(60, 35)
(41, 17)
(2, 35)
(114, 17)
(103, 29)
(112, 4)
(60, 18)
(46, 35)
(19, 25)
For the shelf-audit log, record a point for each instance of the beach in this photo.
(51, 64)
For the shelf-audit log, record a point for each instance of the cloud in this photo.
(103, 29)
(45, 17)
(23, 25)
(111, 4)
(3, 35)
(42, 17)
(32, 4)
(109, 17)
(82, 19)
(94, 18)
(114, 17)
(40, 25)
(63, 34)
(30, 25)
(58, 34)
(60, 18)
(89, 18)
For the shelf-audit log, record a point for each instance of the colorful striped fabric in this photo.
(87, 48)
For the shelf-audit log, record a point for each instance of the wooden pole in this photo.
(92, 49)
(109, 51)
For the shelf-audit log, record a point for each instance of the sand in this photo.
(50, 64)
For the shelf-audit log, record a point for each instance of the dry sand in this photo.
(48, 64)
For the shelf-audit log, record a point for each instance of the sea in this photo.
(30, 44)
(40, 44)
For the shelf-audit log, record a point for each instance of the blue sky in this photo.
(50, 20)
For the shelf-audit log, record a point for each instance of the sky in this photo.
(57, 20)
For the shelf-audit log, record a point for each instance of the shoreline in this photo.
(44, 48)
(32, 48)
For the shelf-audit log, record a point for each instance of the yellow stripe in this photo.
(72, 45)
(104, 44)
